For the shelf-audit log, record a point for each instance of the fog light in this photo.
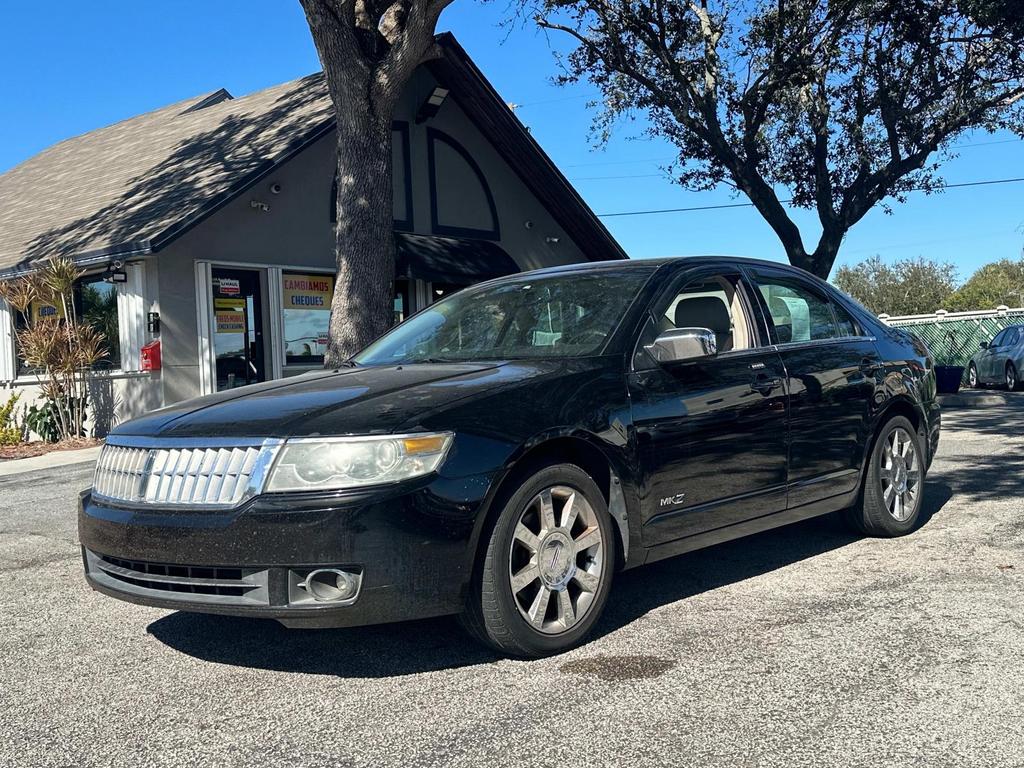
(329, 585)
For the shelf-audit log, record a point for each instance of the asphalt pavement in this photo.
(802, 646)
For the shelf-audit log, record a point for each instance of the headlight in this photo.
(307, 464)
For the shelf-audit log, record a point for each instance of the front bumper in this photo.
(412, 547)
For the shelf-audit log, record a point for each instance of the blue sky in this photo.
(83, 65)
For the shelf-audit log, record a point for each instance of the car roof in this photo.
(659, 262)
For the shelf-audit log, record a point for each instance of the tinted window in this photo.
(798, 313)
(570, 314)
(999, 339)
(1012, 337)
(847, 327)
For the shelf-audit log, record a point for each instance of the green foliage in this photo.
(44, 421)
(904, 287)
(10, 432)
(840, 106)
(61, 350)
(1001, 282)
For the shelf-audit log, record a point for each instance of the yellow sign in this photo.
(229, 315)
(308, 291)
(41, 311)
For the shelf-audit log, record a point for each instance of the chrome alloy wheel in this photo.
(556, 562)
(901, 475)
(972, 377)
(1011, 377)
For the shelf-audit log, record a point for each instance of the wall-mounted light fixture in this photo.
(432, 105)
(153, 322)
(115, 276)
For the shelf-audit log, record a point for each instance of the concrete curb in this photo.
(49, 461)
(973, 398)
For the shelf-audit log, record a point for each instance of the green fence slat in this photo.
(955, 340)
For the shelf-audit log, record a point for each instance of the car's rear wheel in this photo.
(972, 376)
(547, 568)
(890, 499)
(1012, 380)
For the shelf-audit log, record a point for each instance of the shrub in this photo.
(10, 432)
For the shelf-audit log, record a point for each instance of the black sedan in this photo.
(503, 453)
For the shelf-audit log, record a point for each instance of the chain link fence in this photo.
(953, 337)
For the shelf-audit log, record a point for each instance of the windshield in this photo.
(562, 315)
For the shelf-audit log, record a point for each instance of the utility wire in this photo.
(750, 205)
(671, 159)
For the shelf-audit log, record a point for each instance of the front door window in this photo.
(711, 432)
(237, 327)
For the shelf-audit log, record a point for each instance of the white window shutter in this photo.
(7, 353)
(131, 312)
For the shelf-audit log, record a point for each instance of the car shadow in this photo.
(436, 644)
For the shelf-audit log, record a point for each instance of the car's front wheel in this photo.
(548, 566)
(972, 376)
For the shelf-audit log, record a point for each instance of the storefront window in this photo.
(238, 327)
(96, 300)
(306, 299)
(95, 304)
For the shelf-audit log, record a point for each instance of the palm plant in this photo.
(61, 349)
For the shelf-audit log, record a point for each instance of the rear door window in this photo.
(797, 312)
(846, 323)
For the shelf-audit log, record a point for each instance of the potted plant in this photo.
(948, 374)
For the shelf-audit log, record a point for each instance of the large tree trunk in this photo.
(369, 52)
(364, 240)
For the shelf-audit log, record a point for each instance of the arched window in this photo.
(461, 203)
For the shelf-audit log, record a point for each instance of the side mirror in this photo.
(682, 344)
(983, 345)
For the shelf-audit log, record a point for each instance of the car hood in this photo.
(373, 400)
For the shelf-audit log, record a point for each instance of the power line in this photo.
(621, 162)
(629, 176)
(673, 158)
(750, 205)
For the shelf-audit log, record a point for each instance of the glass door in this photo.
(237, 327)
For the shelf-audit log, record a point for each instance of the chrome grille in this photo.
(180, 472)
(119, 472)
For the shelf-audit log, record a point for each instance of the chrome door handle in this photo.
(870, 366)
(764, 383)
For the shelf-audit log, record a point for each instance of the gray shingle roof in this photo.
(130, 185)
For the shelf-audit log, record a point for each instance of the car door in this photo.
(832, 370)
(987, 358)
(1004, 354)
(711, 432)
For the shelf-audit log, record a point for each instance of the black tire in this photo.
(1012, 379)
(492, 614)
(872, 515)
(972, 377)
